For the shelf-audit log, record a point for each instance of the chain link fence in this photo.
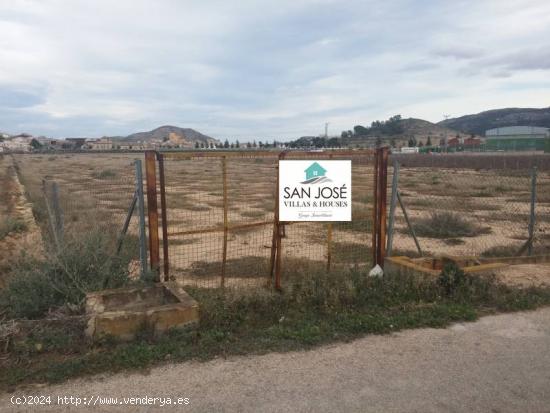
(77, 195)
(471, 211)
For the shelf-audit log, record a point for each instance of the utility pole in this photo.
(326, 129)
(446, 140)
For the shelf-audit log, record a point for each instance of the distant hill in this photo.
(423, 128)
(497, 118)
(403, 130)
(177, 135)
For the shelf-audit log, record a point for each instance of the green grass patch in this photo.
(105, 174)
(321, 308)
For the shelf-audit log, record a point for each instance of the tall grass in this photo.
(37, 285)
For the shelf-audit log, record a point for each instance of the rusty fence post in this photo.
(329, 238)
(152, 212)
(164, 220)
(225, 223)
(383, 196)
(375, 211)
(380, 200)
(276, 244)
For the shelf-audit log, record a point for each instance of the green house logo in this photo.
(315, 174)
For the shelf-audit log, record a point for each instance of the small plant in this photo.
(452, 279)
(63, 278)
(10, 226)
(447, 225)
(105, 174)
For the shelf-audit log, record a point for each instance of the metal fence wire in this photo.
(222, 225)
(75, 196)
(471, 212)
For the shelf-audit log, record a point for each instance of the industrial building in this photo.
(517, 138)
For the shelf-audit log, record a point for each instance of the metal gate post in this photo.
(532, 215)
(383, 196)
(375, 211)
(141, 212)
(380, 200)
(164, 221)
(152, 212)
(225, 223)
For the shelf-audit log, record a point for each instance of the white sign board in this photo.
(315, 190)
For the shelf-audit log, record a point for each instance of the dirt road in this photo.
(498, 364)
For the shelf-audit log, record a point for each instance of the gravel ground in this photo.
(497, 364)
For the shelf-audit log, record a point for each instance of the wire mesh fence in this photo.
(76, 195)
(472, 212)
(221, 215)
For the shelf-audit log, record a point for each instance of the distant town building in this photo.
(101, 144)
(16, 144)
(517, 138)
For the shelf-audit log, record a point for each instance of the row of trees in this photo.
(236, 145)
(392, 126)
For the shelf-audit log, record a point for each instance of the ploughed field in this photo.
(457, 212)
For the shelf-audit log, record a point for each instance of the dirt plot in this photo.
(497, 202)
(96, 190)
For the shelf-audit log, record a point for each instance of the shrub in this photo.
(11, 225)
(447, 225)
(82, 265)
(451, 279)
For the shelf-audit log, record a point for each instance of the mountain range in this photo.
(479, 123)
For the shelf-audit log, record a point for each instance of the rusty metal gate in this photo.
(218, 223)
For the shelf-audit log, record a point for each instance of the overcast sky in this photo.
(264, 69)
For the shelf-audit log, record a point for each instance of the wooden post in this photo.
(152, 212)
(225, 227)
(164, 220)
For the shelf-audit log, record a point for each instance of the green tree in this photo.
(226, 144)
(360, 130)
(429, 141)
(35, 144)
(197, 145)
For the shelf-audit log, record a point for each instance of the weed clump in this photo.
(11, 226)
(447, 225)
(105, 174)
(63, 277)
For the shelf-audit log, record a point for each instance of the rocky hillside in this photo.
(183, 136)
(497, 118)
